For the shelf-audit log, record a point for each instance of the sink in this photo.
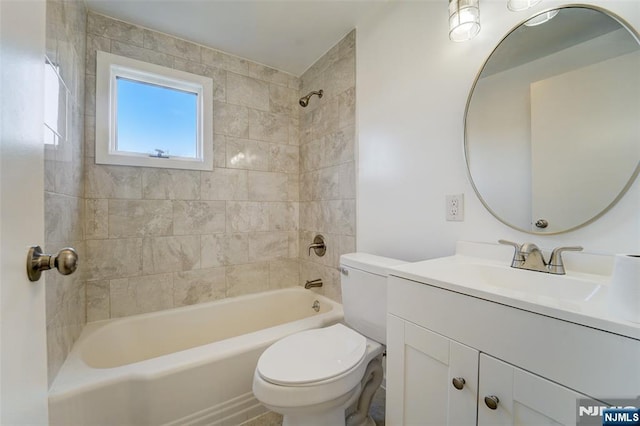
(518, 283)
(483, 271)
(538, 284)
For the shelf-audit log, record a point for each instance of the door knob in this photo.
(491, 401)
(65, 261)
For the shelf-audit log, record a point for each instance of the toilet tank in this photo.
(363, 278)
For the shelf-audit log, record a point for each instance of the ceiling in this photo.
(289, 35)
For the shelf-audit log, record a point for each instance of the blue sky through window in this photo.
(151, 116)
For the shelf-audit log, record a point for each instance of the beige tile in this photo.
(247, 154)
(268, 246)
(170, 254)
(284, 158)
(348, 180)
(339, 147)
(284, 273)
(112, 181)
(294, 130)
(247, 216)
(224, 184)
(268, 127)
(141, 54)
(347, 108)
(89, 136)
(170, 184)
(343, 75)
(90, 94)
(219, 150)
(325, 118)
(218, 75)
(63, 218)
(109, 259)
(328, 183)
(113, 29)
(96, 219)
(203, 285)
(171, 45)
(95, 43)
(267, 186)
(312, 155)
(230, 120)
(224, 61)
(309, 186)
(284, 216)
(139, 218)
(149, 293)
(198, 217)
(282, 100)
(98, 301)
(224, 249)
(247, 91)
(268, 74)
(249, 278)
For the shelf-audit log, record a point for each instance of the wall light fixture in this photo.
(464, 19)
(519, 5)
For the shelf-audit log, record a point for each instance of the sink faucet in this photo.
(529, 256)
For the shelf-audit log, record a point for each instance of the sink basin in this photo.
(536, 284)
(536, 287)
(483, 271)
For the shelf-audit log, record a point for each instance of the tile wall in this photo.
(64, 164)
(327, 164)
(162, 238)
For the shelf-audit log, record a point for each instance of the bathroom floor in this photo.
(377, 413)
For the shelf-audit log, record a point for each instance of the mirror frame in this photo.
(632, 31)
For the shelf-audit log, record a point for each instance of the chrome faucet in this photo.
(313, 283)
(529, 256)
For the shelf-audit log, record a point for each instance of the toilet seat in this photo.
(312, 356)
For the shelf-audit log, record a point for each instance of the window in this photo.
(152, 116)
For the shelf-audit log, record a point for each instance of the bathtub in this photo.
(185, 366)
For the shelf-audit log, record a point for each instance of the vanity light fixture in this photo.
(542, 18)
(464, 19)
(520, 5)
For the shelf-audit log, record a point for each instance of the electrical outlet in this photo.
(455, 207)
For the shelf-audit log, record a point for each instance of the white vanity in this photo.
(473, 341)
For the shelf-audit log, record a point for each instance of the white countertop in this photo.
(588, 273)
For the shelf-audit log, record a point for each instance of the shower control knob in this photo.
(65, 261)
(458, 382)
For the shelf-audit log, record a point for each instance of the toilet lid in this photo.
(312, 355)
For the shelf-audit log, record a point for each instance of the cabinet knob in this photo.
(458, 382)
(491, 401)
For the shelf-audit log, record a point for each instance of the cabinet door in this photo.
(421, 366)
(524, 398)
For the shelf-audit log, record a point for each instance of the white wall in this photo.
(412, 87)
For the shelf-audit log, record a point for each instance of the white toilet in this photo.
(328, 376)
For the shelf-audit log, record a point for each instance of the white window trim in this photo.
(108, 68)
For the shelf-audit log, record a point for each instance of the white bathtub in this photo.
(184, 366)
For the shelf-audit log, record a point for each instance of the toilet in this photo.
(328, 376)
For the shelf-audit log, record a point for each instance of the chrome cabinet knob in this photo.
(458, 382)
(491, 401)
(65, 261)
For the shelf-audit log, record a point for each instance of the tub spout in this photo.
(313, 283)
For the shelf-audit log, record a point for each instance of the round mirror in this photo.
(552, 127)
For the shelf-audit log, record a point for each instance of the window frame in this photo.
(108, 68)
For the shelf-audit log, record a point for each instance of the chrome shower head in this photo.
(304, 101)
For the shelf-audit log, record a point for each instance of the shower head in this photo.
(304, 101)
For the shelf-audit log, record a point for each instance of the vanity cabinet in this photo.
(421, 367)
(537, 366)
